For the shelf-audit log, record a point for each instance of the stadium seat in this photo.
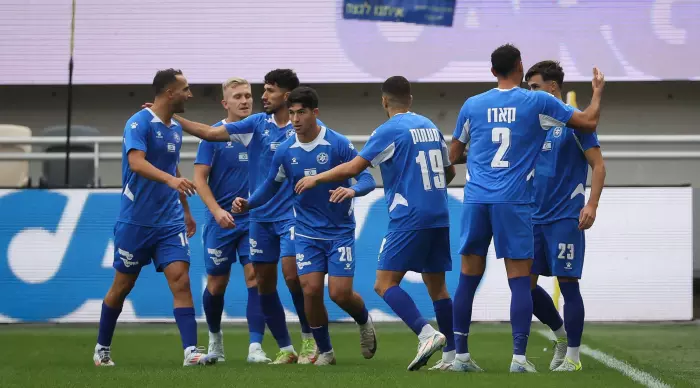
(81, 171)
(14, 173)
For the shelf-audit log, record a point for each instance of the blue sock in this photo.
(323, 338)
(274, 318)
(255, 317)
(520, 312)
(213, 308)
(298, 299)
(362, 317)
(405, 308)
(184, 317)
(463, 303)
(443, 315)
(574, 312)
(108, 322)
(544, 309)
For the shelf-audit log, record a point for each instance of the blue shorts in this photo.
(422, 251)
(270, 241)
(135, 246)
(510, 225)
(334, 257)
(221, 245)
(559, 249)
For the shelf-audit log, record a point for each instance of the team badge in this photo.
(322, 158)
(176, 137)
(557, 131)
(290, 133)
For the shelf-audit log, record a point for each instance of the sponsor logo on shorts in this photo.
(127, 257)
(216, 256)
(300, 257)
(253, 245)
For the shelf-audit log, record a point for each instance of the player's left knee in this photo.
(340, 296)
(180, 283)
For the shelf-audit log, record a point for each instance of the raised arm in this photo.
(587, 121)
(203, 131)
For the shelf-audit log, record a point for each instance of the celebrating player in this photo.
(560, 219)
(505, 128)
(270, 224)
(413, 158)
(220, 175)
(154, 221)
(324, 231)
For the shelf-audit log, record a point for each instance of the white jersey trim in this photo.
(385, 155)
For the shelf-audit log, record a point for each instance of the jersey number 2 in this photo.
(500, 135)
(435, 159)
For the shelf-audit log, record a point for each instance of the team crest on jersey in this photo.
(290, 133)
(176, 137)
(557, 131)
(322, 158)
(134, 125)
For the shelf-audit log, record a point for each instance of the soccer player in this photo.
(154, 218)
(324, 230)
(220, 175)
(505, 128)
(270, 225)
(413, 159)
(560, 219)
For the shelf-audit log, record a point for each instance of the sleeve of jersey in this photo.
(242, 131)
(461, 132)
(135, 135)
(379, 148)
(365, 182)
(205, 153)
(587, 140)
(445, 153)
(553, 113)
(264, 193)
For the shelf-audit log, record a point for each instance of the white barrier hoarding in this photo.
(56, 254)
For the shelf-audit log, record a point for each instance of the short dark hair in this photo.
(549, 70)
(283, 78)
(164, 78)
(304, 95)
(504, 59)
(398, 89)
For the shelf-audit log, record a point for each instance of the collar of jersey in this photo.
(272, 120)
(308, 147)
(506, 90)
(157, 119)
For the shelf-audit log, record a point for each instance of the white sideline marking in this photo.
(626, 369)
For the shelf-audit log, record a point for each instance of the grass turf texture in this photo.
(151, 356)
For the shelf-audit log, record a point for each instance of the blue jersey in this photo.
(145, 202)
(315, 216)
(228, 177)
(560, 175)
(261, 135)
(505, 130)
(412, 156)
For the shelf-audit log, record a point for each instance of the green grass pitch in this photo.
(150, 355)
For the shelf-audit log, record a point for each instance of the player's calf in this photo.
(213, 304)
(442, 305)
(315, 310)
(574, 316)
(111, 309)
(341, 293)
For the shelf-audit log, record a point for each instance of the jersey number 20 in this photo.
(435, 160)
(500, 135)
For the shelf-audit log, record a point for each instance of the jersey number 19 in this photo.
(434, 157)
